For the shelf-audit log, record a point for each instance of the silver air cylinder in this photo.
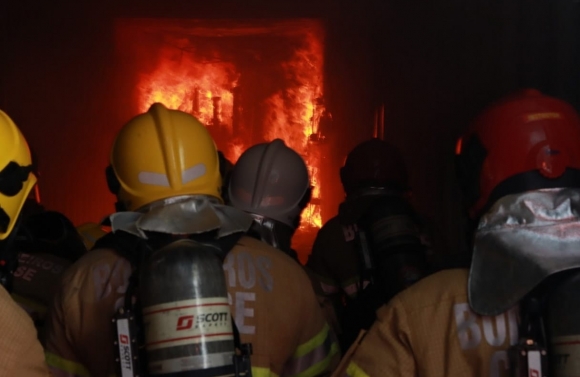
(186, 316)
(564, 327)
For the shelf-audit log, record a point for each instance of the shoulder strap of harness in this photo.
(135, 249)
(127, 245)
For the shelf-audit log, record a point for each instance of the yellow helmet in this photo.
(16, 177)
(161, 154)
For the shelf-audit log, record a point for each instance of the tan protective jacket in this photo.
(429, 330)
(334, 260)
(272, 302)
(35, 282)
(21, 354)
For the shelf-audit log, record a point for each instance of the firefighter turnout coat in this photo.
(271, 299)
(20, 351)
(429, 330)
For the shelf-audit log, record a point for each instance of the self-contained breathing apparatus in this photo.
(528, 357)
(563, 326)
(549, 333)
(386, 233)
(554, 350)
(46, 243)
(175, 320)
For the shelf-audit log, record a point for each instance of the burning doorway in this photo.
(247, 81)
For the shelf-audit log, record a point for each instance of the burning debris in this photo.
(248, 85)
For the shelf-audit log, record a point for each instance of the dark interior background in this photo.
(433, 64)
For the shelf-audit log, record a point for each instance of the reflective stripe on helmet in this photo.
(326, 284)
(328, 289)
(313, 357)
(351, 286)
(60, 367)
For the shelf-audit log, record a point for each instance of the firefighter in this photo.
(47, 243)
(270, 182)
(91, 232)
(344, 264)
(519, 165)
(170, 186)
(21, 353)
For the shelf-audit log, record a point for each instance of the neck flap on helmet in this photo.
(522, 240)
(183, 215)
(272, 232)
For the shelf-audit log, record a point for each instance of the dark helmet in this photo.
(271, 180)
(374, 163)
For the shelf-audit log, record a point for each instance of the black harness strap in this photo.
(136, 249)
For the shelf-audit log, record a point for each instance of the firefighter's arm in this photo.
(79, 330)
(385, 350)
(317, 352)
(334, 264)
(326, 303)
(20, 351)
(60, 350)
(32, 364)
(323, 282)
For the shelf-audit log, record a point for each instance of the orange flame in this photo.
(182, 82)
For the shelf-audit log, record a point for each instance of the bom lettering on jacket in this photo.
(245, 271)
(29, 265)
(498, 332)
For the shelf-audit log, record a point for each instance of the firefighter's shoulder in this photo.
(258, 248)
(98, 268)
(273, 268)
(441, 288)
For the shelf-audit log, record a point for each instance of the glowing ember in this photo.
(205, 89)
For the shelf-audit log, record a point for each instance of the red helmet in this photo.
(526, 141)
(374, 163)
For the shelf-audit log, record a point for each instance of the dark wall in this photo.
(442, 62)
(57, 64)
(433, 66)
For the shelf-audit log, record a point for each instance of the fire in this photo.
(205, 88)
(181, 82)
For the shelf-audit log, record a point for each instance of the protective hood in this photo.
(190, 214)
(520, 241)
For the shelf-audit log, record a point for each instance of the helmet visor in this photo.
(13, 177)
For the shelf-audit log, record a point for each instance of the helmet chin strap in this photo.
(273, 232)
